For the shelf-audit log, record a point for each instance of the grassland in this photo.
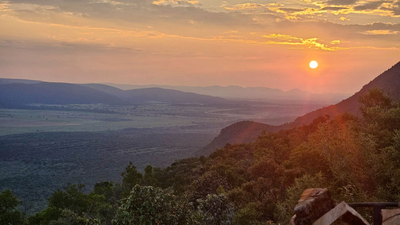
(100, 117)
(77, 119)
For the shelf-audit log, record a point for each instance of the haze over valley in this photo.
(198, 112)
(68, 131)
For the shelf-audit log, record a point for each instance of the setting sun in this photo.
(313, 64)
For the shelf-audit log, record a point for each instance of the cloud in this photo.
(245, 6)
(179, 2)
(394, 8)
(173, 19)
(151, 13)
(369, 5)
(283, 39)
(334, 8)
(380, 32)
(341, 2)
(292, 10)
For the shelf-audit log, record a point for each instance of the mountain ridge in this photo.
(389, 81)
(20, 93)
(248, 93)
(232, 92)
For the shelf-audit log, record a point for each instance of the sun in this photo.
(313, 64)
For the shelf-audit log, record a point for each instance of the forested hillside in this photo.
(256, 183)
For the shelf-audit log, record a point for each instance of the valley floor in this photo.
(46, 148)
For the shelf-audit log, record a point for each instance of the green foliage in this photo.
(357, 159)
(381, 115)
(250, 214)
(9, 214)
(70, 218)
(130, 177)
(374, 98)
(71, 206)
(149, 176)
(216, 210)
(147, 205)
(46, 216)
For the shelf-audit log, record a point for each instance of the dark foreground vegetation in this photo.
(257, 183)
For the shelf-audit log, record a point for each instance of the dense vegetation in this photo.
(35, 165)
(257, 183)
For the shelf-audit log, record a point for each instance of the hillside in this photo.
(247, 93)
(157, 95)
(247, 131)
(171, 96)
(106, 89)
(18, 81)
(19, 94)
(240, 132)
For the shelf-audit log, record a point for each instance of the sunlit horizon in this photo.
(201, 43)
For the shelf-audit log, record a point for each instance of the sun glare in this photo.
(313, 64)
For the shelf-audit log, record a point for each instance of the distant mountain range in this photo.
(157, 95)
(248, 131)
(248, 93)
(19, 93)
(18, 81)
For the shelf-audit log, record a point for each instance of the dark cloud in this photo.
(396, 10)
(341, 2)
(334, 8)
(369, 6)
(382, 26)
(291, 10)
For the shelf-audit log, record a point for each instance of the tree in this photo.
(70, 197)
(9, 214)
(216, 210)
(149, 177)
(130, 177)
(71, 204)
(147, 205)
(375, 98)
(70, 218)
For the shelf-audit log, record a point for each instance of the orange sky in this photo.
(201, 43)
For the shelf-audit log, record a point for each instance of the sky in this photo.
(253, 43)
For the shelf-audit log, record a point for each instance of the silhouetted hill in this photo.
(237, 133)
(253, 93)
(171, 96)
(106, 89)
(157, 95)
(19, 94)
(246, 131)
(18, 81)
